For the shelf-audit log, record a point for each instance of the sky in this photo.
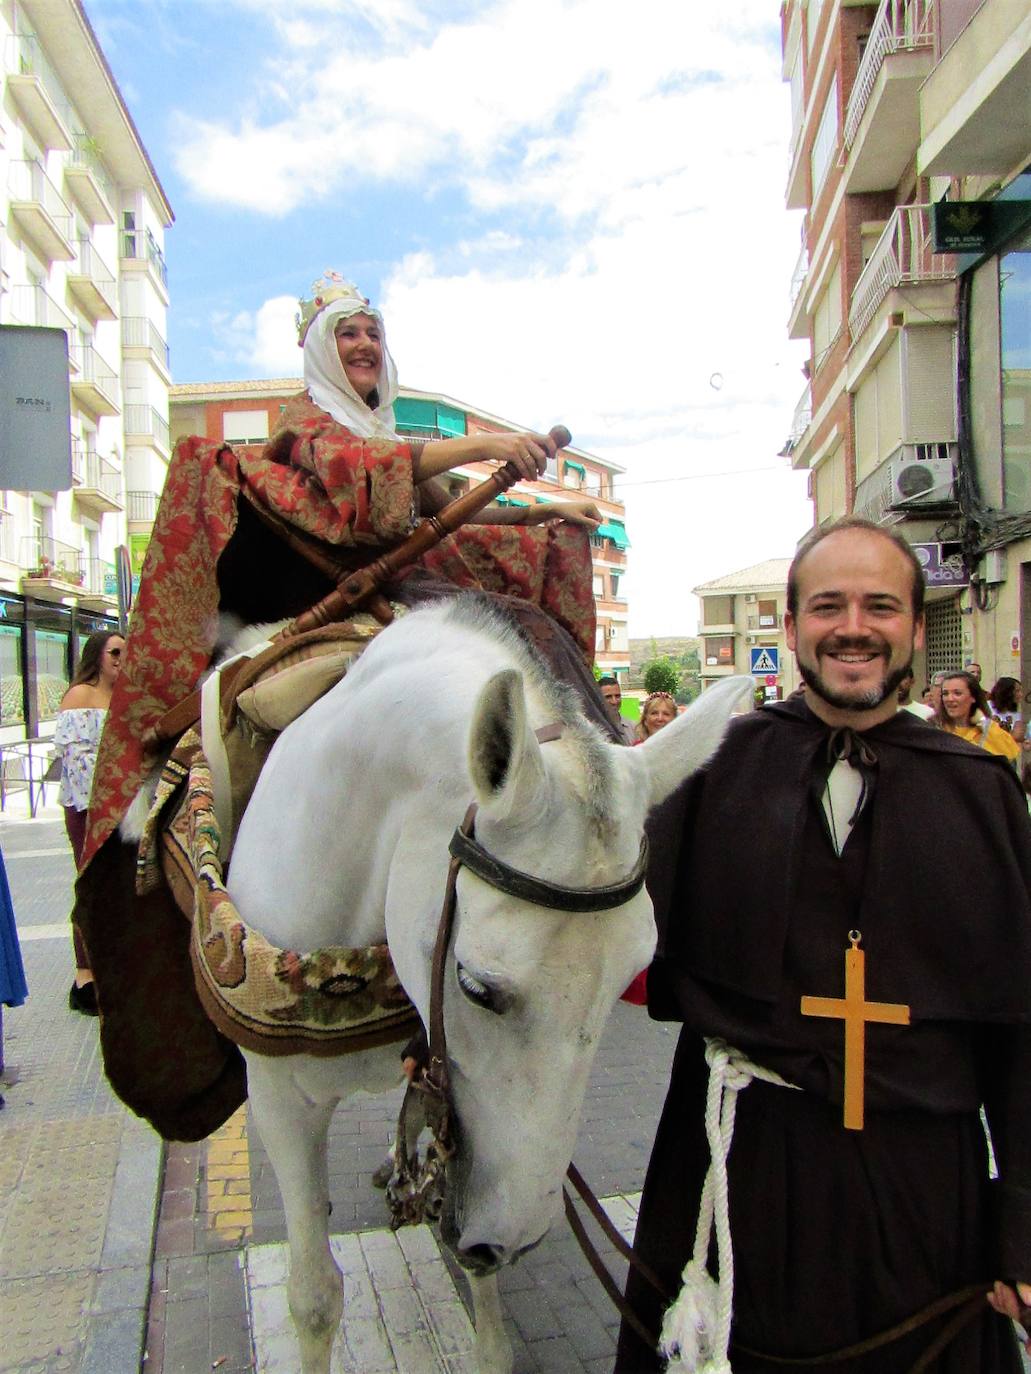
(567, 210)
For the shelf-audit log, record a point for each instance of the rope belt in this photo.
(696, 1328)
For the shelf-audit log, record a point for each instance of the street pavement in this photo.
(119, 1253)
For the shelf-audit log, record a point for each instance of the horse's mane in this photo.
(561, 701)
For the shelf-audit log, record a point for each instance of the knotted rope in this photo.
(695, 1335)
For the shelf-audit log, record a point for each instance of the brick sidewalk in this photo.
(79, 1176)
(218, 1288)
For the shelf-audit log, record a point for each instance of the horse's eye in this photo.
(476, 991)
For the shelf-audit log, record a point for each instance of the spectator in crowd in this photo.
(916, 708)
(936, 692)
(613, 694)
(974, 669)
(77, 738)
(658, 710)
(965, 712)
(1004, 700)
(13, 989)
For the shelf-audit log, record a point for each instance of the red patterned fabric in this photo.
(332, 485)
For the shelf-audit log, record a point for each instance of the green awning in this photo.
(505, 500)
(577, 467)
(614, 530)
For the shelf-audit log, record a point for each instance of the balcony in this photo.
(140, 339)
(37, 208)
(882, 121)
(798, 319)
(148, 428)
(800, 422)
(31, 305)
(92, 283)
(974, 107)
(98, 483)
(52, 569)
(142, 507)
(99, 585)
(36, 91)
(903, 257)
(140, 251)
(96, 386)
(88, 182)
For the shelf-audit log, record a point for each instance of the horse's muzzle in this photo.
(481, 1260)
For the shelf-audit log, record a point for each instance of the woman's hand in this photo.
(529, 452)
(1012, 1302)
(576, 512)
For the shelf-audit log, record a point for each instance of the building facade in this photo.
(82, 222)
(245, 413)
(741, 628)
(910, 156)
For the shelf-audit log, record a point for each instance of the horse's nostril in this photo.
(481, 1259)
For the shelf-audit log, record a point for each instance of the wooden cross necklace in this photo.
(855, 1011)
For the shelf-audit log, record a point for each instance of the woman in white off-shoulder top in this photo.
(76, 738)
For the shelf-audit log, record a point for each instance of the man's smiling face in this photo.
(854, 631)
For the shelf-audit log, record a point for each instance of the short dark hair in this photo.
(855, 522)
(1005, 695)
(607, 680)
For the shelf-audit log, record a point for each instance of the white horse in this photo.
(345, 842)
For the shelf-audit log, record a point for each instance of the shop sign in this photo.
(942, 564)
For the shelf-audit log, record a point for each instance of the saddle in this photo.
(266, 999)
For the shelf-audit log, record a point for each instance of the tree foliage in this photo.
(661, 675)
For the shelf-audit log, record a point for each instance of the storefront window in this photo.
(12, 699)
(51, 671)
(1015, 331)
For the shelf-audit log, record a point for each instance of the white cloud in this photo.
(631, 244)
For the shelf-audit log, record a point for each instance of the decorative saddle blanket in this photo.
(269, 1000)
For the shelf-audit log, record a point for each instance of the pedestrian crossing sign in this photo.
(765, 659)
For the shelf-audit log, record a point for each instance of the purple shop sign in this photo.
(942, 565)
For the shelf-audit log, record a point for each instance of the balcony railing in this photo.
(900, 25)
(139, 332)
(142, 245)
(93, 283)
(799, 275)
(903, 255)
(803, 416)
(32, 305)
(97, 383)
(146, 420)
(48, 558)
(99, 577)
(36, 202)
(142, 506)
(37, 89)
(99, 475)
(84, 167)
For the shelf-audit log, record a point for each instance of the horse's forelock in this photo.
(596, 781)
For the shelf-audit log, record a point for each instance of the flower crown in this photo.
(331, 286)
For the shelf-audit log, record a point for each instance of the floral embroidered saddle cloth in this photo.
(266, 999)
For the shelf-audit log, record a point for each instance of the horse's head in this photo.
(528, 988)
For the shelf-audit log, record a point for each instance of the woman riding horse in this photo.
(335, 477)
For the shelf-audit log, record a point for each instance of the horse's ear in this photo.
(504, 757)
(672, 754)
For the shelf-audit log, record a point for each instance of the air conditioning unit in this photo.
(613, 631)
(923, 475)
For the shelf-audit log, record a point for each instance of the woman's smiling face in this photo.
(359, 342)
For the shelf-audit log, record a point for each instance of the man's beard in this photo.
(854, 701)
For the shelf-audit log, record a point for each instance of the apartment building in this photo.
(245, 413)
(82, 222)
(911, 158)
(741, 628)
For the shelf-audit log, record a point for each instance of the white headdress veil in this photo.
(327, 382)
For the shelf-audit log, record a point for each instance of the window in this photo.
(767, 615)
(827, 319)
(825, 144)
(599, 585)
(719, 651)
(12, 705)
(1015, 330)
(245, 426)
(717, 610)
(51, 671)
(614, 579)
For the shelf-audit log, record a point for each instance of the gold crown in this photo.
(331, 286)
